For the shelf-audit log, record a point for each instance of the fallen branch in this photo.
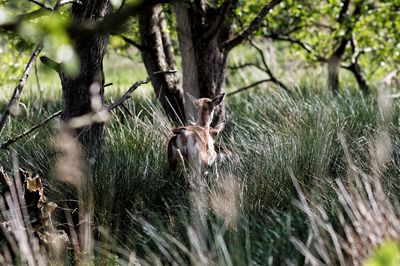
(120, 101)
(27, 132)
(20, 86)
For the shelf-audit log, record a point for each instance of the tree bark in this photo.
(333, 73)
(189, 67)
(361, 80)
(211, 65)
(203, 59)
(76, 90)
(205, 36)
(336, 57)
(158, 56)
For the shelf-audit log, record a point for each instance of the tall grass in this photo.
(144, 212)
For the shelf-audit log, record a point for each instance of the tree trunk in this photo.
(78, 91)
(189, 67)
(157, 56)
(205, 40)
(203, 60)
(333, 74)
(211, 65)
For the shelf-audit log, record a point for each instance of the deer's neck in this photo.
(204, 118)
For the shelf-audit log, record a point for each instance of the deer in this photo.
(193, 146)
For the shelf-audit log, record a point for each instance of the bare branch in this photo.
(136, 85)
(284, 38)
(119, 103)
(41, 5)
(139, 46)
(303, 45)
(355, 68)
(254, 25)
(51, 63)
(249, 86)
(267, 69)
(27, 132)
(247, 65)
(20, 86)
(357, 52)
(126, 110)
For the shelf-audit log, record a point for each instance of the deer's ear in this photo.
(192, 99)
(218, 99)
(217, 129)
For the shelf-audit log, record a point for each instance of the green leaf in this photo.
(387, 254)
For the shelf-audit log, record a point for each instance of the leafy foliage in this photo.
(315, 28)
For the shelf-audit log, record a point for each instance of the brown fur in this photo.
(172, 160)
(201, 136)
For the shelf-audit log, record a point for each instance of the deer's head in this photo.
(205, 109)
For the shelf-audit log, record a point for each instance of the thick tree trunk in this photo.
(189, 67)
(78, 91)
(157, 56)
(203, 60)
(211, 65)
(205, 39)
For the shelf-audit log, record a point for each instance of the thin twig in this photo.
(27, 132)
(286, 38)
(20, 86)
(249, 86)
